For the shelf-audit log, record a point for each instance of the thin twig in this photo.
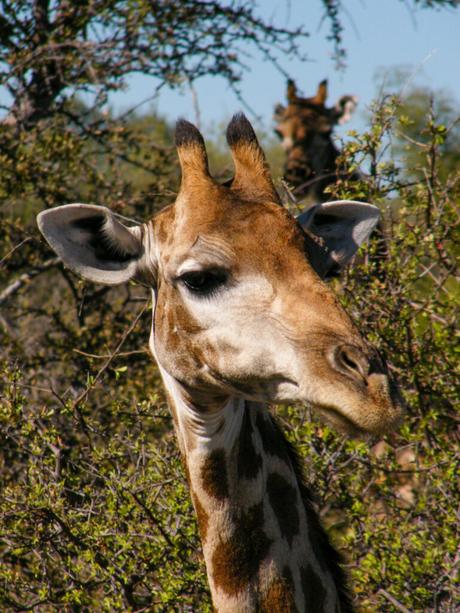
(124, 218)
(26, 277)
(11, 251)
(108, 355)
(394, 602)
(195, 103)
(110, 358)
(7, 326)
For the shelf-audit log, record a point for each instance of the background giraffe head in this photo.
(240, 306)
(306, 119)
(305, 128)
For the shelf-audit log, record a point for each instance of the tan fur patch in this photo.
(163, 224)
(279, 597)
(202, 517)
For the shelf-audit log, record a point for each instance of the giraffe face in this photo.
(240, 308)
(307, 123)
(241, 313)
(296, 125)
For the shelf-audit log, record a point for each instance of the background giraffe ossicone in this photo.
(241, 318)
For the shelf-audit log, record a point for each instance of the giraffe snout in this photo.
(357, 363)
(374, 402)
(352, 362)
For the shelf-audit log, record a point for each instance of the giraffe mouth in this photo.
(341, 422)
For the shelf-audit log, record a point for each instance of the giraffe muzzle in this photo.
(351, 362)
(356, 363)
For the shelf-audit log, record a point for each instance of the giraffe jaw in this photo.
(337, 418)
(340, 422)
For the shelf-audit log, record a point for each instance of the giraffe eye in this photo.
(204, 282)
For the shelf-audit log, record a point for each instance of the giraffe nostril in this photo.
(351, 361)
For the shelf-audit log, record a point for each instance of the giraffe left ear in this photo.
(93, 243)
(342, 227)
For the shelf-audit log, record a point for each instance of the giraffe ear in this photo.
(342, 227)
(344, 108)
(92, 242)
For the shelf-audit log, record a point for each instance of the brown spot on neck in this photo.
(313, 590)
(214, 475)
(285, 503)
(272, 439)
(235, 562)
(249, 461)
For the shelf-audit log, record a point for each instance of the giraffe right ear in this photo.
(342, 226)
(344, 108)
(93, 243)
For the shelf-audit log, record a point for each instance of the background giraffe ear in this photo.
(344, 108)
(92, 242)
(341, 226)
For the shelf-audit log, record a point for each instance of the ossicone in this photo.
(321, 93)
(240, 131)
(192, 154)
(252, 178)
(187, 134)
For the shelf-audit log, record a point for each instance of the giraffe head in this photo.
(240, 304)
(308, 122)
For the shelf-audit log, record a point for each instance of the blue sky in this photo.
(380, 36)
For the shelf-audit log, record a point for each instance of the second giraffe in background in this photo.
(305, 127)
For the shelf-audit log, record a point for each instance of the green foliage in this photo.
(99, 516)
(403, 533)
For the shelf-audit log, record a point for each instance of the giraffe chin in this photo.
(343, 424)
(340, 422)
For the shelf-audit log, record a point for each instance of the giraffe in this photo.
(242, 318)
(305, 128)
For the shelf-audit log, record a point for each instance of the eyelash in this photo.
(204, 282)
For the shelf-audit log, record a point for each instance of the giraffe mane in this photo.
(322, 546)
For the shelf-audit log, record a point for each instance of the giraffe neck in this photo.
(263, 546)
(311, 167)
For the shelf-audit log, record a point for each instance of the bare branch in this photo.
(394, 601)
(26, 277)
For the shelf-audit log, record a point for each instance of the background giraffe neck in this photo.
(310, 168)
(263, 546)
